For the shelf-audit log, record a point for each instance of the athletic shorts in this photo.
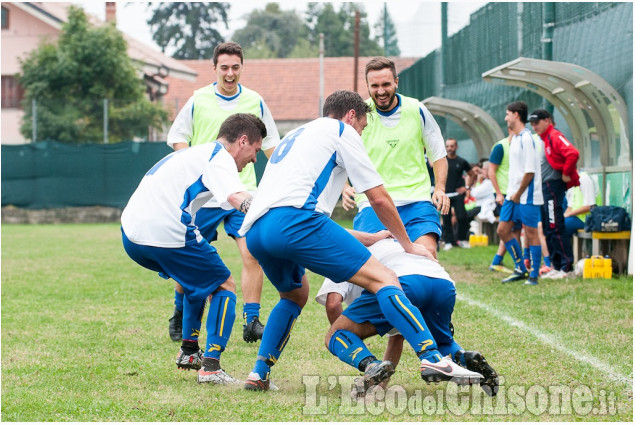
(208, 219)
(433, 297)
(529, 215)
(419, 219)
(287, 240)
(198, 268)
(347, 290)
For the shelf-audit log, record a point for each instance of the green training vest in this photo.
(208, 117)
(398, 153)
(577, 199)
(502, 173)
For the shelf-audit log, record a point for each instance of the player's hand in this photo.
(515, 198)
(500, 198)
(441, 201)
(382, 234)
(421, 250)
(566, 179)
(348, 198)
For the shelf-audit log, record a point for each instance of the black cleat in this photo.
(176, 325)
(377, 372)
(253, 331)
(475, 362)
(516, 276)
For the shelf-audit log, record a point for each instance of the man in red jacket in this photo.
(558, 174)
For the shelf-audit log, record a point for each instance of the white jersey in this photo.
(524, 158)
(317, 156)
(182, 128)
(162, 209)
(390, 253)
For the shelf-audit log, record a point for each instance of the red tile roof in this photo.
(290, 87)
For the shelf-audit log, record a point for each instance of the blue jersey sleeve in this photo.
(496, 156)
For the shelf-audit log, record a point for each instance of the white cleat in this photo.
(447, 370)
(219, 377)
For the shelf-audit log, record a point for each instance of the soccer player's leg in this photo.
(530, 219)
(421, 220)
(190, 355)
(505, 227)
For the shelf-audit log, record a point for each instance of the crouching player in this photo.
(432, 291)
(159, 233)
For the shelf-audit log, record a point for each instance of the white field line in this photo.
(552, 341)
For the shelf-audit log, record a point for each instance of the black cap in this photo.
(539, 114)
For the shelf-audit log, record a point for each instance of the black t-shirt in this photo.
(456, 167)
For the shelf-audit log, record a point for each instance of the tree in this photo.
(391, 43)
(188, 27)
(273, 32)
(69, 80)
(338, 28)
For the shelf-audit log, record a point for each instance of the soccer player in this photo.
(198, 122)
(159, 233)
(524, 195)
(288, 227)
(431, 290)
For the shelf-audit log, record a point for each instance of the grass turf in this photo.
(84, 338)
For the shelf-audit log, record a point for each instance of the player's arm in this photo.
(439, 198)
(182, 128)
(368, 239)
(387, 213)
(435, 149)
(241, 201)
(524, 184)
(272, 140)
(495, 159)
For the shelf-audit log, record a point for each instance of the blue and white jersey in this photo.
(161, 211)
(524, 158)
(321, 153)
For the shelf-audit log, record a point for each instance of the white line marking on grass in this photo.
(551, 341)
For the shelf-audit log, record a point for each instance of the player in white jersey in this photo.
(198, 122)
(524, 195)
(288, 229)
(159, 233)
(432, 291)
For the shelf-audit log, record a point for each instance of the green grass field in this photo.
(84, 338)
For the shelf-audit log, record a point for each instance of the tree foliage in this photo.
(70, 79)
(385, 28)
(273, 32)
(190, 28)
(338, 28)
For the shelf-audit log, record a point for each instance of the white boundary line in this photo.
(551, 341)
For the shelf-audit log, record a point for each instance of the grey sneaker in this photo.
(189, 361)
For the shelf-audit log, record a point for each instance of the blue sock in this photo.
(526, 254)
(192, 316)
(348, 347)
(498, 260)
(450, 349)
(220, 319)
(400, 312)
(250, 310)
(277, 333)
(547, 261)
(178, 301)
(513, 247)
(536, 256)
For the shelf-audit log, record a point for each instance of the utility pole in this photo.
(321, 74)
(385, 29)
(356, 60)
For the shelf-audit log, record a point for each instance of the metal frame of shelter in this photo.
(592, 108)
(478, 124)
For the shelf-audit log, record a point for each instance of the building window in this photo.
(5, 18)
(12, 92)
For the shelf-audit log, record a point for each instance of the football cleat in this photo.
(532, 281)
(254, 383)
(447, 370)
(515, 276)
(544, 270)
(253, 331)
(189, 361)
(176, 325)
(218, 376)
(376, 373)
(475, 362)
(499, 268)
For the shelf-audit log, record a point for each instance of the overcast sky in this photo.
(418, 23)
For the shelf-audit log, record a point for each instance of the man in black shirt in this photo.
(456, 190)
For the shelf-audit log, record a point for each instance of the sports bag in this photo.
(607, 219)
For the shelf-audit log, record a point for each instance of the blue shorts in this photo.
(419, 218)
(198, 268)
(286, 240)
(434, 297)
(529, 215)
(208, 219)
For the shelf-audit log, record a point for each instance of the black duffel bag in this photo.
(607, 219)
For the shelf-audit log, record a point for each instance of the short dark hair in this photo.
(519, 107)
(238, 124)
(342, 101)
(228, 48)
(378, 63)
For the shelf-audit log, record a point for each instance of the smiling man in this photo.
(198, 122)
